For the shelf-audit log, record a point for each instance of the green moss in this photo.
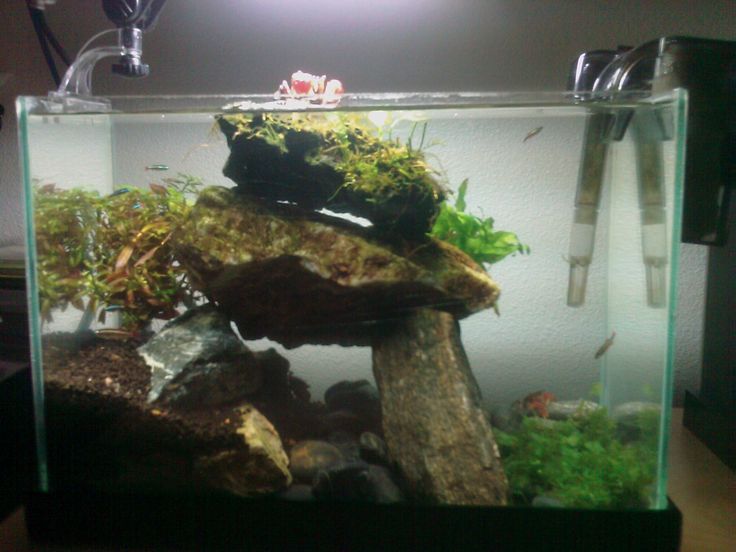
(338, 161)
(112, 251)
(349, 143)
(580, 462)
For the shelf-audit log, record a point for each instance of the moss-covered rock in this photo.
(334, 161)
(299, 277)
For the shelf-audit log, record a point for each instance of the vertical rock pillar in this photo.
(433, 423)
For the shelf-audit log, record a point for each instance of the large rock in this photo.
(197, 360)
(433, 423)
(299, 158)
(299, 277)
(258, 468)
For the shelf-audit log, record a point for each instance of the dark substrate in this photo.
(102, 433)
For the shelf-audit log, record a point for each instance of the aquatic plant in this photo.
(337, 161)
(380, 177)
(349, 143)
(580, 462)
(112, 251)
(473, 235)
(63, 221)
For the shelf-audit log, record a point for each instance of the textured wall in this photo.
(223, 46)
(528, 187)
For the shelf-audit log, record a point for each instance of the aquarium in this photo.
(454, 299)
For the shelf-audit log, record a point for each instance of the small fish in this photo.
(114, 334)
(158, 167)
(532, 133)
(158, 188)
(119, 191)
(606, 345)
(114, 308)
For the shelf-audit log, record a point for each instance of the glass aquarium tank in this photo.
(439, 299)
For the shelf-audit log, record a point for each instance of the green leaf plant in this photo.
(473, 235)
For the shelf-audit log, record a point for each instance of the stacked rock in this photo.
(279, 268)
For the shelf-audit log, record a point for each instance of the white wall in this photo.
(223, 46)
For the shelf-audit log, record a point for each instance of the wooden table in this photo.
(704, 490)
(701, 485)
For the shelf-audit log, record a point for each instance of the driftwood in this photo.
(433, 424)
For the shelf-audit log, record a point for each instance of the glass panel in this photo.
(330, 339)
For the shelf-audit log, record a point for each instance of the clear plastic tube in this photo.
(587, 200)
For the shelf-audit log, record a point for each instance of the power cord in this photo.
(45, 37)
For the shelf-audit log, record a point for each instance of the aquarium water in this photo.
(399, 298)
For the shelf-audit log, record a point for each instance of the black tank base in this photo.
(226, 523)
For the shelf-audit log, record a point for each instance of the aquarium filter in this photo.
(589, 73)
(707, 69)
(587, 202)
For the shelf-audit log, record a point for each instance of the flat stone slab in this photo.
(298, 277)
